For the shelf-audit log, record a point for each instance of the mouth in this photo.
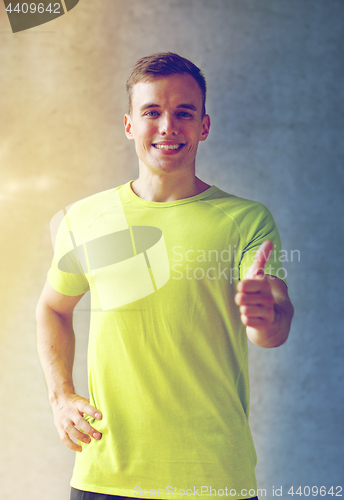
(169, 147)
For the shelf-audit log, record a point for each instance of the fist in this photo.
(254, 297)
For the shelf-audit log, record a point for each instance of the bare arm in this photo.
(264, 304)
(56, 345)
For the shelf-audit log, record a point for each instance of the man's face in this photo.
(166, 122)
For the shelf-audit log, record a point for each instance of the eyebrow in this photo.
(183, 106)
(187, 106)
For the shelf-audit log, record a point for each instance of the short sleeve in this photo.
(66, 274)
(260, 226)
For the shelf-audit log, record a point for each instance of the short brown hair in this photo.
(164, 64)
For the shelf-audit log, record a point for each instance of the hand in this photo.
(254, 298)
(69, 412)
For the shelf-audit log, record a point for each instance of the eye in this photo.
(184, 114)
(151, 114)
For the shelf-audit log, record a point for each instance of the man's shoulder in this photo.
(236, 206)
(83, 214)
(252, 219)
(97, 201)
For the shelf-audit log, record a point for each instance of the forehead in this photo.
(171, 91)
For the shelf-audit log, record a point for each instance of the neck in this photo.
(167, 187)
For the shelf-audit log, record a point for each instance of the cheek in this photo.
(143, 142)
(194, 142)
(146, 135)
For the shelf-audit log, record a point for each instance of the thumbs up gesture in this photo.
(254, 297)
(264, 303)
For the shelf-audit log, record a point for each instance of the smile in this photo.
(168, 147)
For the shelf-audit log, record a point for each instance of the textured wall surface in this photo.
(276, 83)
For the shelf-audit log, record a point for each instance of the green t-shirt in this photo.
(167, 358)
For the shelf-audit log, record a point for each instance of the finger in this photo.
(261, 258)
(257, 323)
(261, 285)
(80, 423)
(67, 441)
(259, 299)
(85, 408)
(75, 433)
(78, 434)
(264, 313)
(66, 438)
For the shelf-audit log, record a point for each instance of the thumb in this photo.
(261, 258)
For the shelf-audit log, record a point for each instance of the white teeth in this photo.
(167, 146)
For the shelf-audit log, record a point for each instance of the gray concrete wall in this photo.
(275, 77)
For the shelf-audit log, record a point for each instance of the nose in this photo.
(168, 125)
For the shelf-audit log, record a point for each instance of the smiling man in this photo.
(180, 274)
(167, 120)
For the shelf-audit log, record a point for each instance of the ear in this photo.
(205, 128)
(128, 127)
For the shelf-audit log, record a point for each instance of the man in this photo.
(170, 263)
